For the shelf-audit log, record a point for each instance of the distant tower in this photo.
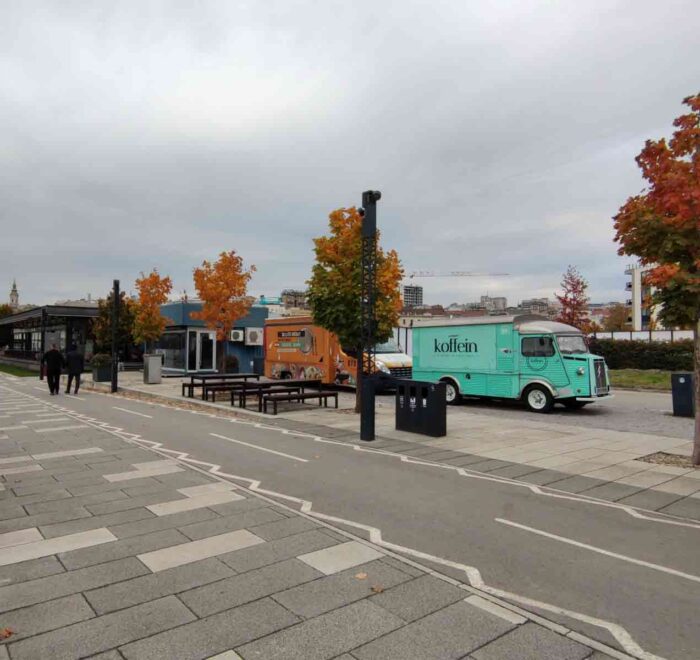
(14, 296)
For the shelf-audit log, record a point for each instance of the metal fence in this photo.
(645, 335)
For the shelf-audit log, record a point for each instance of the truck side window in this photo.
(537, 347)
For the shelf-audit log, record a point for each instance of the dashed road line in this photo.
(132, 412)
(265, 449)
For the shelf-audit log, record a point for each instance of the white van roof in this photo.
(523, 323)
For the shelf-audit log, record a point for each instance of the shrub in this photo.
(101, 360)
(629, 354)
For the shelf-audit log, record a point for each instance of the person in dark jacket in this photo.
(53, 362)
(76, 366)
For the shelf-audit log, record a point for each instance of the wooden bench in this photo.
(280, 386)
(214, 388)
(243, 394)
(321, 395)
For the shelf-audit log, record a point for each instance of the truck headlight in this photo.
(580, 371)
(382, 367)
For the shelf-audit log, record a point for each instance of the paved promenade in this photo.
(109, 550)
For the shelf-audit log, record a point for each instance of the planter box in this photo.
(102, 374)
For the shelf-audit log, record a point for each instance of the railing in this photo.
(645, 335)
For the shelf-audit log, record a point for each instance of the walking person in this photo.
(53, 361)
(76, 366)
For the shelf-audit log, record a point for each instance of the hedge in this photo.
(626, 354)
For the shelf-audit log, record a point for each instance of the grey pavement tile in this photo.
(39, 489)
(107, 655)
(42, 519)
(108, 552)
(82, 525)
(418, 450)
(183, 479)
(326, 636)
(448, 633)
(249, 559)
(488, 465)
(688, 507)
(42, 617)
(157, 523)
(85, 478)
(403, 566)
(36, 591)
(651, 499)
(230, 523)
(105, 632)
(141, 589)
(30, 570)
(107, 485)
(280, 529)
(542, 477)
(231, 508)
(3, 653)
(335, 534)
(314, 598)
(134, 502)
(42, 496)
(418, 598)
(532, 642)
(155, 487)
(442, 455)
(612, 491)
(10, 512)
(576, 484)
(215, 634)
(465, 460)
(515, 470)
(250, 586)
(58, 505)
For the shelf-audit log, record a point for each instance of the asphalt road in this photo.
(589, 562)
(646, 412)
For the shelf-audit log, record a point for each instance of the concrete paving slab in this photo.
(42, 589)
(449, 633)
(575, 484)
(221, 525)
(488, 465)
(328, 593)
(215, 634)
(94, 522)
(650, 499)
(154, 523)
(250, 586)
(612, 491)
(326, 636)
(186, 553)
(19, 537)
(105, 632)
(42, 617)
(542, 477)
(340, 557)
(30, 570)
(287, 527)
(532, 642)
(148, 587)
(417, 598)
(688, 507)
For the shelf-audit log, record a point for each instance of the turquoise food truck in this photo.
(524, 357)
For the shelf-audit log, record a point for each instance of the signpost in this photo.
(115, 332)
(369, 283)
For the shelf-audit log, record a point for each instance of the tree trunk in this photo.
(696, 371)
(222, 357)
(358, 382)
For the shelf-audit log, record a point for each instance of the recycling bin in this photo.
(683, 395)
(421, 407)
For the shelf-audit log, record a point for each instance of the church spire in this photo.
(14, 295)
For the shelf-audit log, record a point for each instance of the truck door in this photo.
(504, 349)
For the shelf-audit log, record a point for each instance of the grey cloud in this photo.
(161, 133)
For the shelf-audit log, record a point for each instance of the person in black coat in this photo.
(76, 366)
(53, 361)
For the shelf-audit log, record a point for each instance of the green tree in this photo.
(102, 325)
(335, 286)
(616, 318)
(6, 310)
(661, 226)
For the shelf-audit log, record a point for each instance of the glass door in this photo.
(192, 350)
(206, 351)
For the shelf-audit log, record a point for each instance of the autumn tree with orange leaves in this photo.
(335, 286)
(222, 287)
(153, 292)
(574, 300)
(661, 226)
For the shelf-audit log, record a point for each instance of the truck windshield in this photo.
(387, 347)
(569, 344)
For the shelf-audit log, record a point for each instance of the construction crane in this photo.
(453, 273)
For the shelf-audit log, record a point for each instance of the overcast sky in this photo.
(502, 135)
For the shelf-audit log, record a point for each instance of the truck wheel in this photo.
(539, 399)
(452, 394)
(573, 404)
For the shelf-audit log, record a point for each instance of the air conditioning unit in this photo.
(237, 335)
(254, 336)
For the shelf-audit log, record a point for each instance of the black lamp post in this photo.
(115, 332)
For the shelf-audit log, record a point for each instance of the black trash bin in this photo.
(683, 394)
(421, 407)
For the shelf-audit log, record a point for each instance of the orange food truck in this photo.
(296, 348)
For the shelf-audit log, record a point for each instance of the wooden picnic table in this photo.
(259, 389)
(200, 380)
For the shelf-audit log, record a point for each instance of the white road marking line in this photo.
(73, 396)
(45, 420)
(492, 608)
(608, 553)
(132, 412)
(473, 575)
(41, 389)
(271, 451)
(12, 428)
(62, 428)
